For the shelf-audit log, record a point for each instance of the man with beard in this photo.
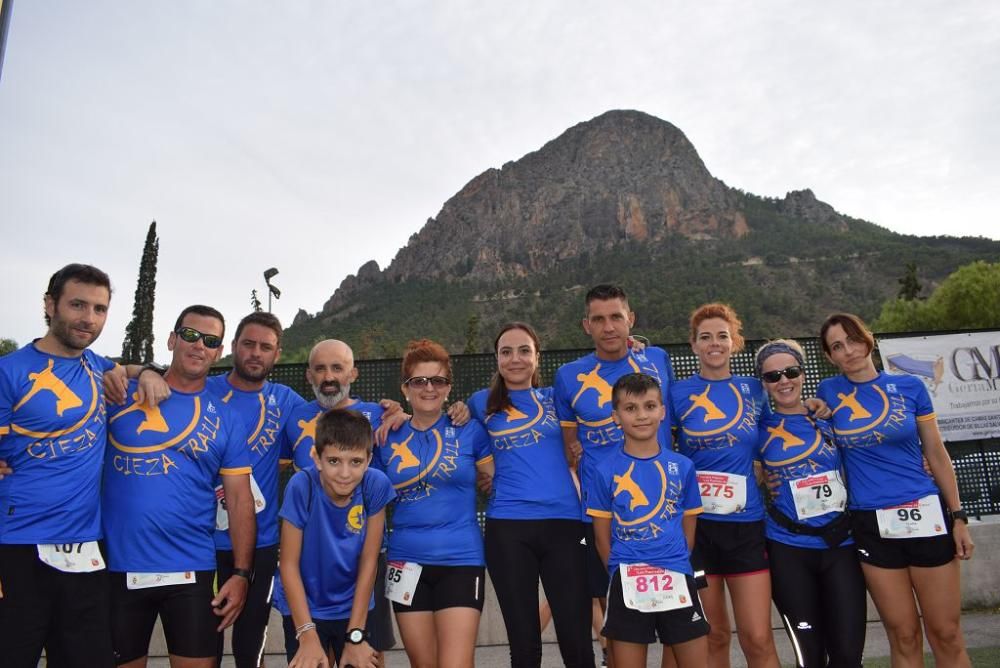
(53, 581)
(264, 407)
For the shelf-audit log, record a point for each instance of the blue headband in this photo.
(774, 348)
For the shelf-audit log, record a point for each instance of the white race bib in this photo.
(818, 494)
(401, 579)
(653, 589)
(222, 516)
(722, 493)
(72, 557)
(150, 580)
(916, 519)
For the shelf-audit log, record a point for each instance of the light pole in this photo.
(271, 290)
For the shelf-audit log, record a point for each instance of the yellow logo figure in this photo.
(626, 484)
(356, 517)
(406, 458)
(514, 414)
(308, 428)
(46, 381)
(850, 401)
(789, 440)
(593, 381)
(712, 411)
(153, 420)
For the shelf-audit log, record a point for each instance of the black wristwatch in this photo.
(960, 515)
(153, 366)
(244, 573)
(356, 636)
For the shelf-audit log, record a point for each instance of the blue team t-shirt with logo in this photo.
(795, 447)
(434, 474)
(646, 500)
(875, 425)
(582, 396)
(52, 434)
(299, 435)
(532, 480)
(264, 413)
(332, 538)
(717, 429)
(159, 480)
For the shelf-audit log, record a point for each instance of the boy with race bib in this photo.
(334, 516)
(644, 501)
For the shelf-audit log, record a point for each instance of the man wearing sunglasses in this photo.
(159, 501)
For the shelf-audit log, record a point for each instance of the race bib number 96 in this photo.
(916, 519)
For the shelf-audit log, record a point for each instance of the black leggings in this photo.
(250, 629)
(518, 552)
(821, 597)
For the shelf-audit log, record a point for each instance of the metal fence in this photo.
(977, 463)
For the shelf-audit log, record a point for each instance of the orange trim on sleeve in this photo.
(599, 513)
(567, 423)
(243, 470)
(925, 418)
(285, 461)
(4, 430)
(484, 460)
(694, 511)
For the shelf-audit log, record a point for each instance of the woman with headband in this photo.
(909, 526)
(816, 581)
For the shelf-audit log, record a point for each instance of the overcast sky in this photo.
(314, 136)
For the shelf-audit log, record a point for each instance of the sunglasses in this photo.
(788, 372)
(423, 381)
(191, 335)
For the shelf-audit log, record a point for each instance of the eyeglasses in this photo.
(191, 335)
(788, 372)
(423, 381)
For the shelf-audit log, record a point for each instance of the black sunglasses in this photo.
(788, 372)
(424, 381)
(191, 335)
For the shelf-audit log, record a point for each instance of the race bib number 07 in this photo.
(72, 557)
(401, 578)
(722, 493)
(916, 519)
(653, 589)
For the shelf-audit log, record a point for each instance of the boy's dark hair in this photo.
(604, 292)
(263, 319)
(343, 429)
(202, 310)
(81, 273)
(635, 384)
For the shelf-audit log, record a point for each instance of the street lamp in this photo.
(271, 290)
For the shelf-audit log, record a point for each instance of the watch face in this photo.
(356, 636)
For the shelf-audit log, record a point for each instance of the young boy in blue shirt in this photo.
(645, 501)
(334, 518)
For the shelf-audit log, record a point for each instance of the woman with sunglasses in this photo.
(908, 525)
(816, 581)
(716, 415)
(436, 575)
(533, 525)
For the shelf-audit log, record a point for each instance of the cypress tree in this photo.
(138, 345)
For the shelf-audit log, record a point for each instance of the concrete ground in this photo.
(982, 629)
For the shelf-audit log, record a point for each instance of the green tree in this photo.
(472, 335)
(255, 301)
(909, 286)
(7, 346)
(138, 345)
(968, 299)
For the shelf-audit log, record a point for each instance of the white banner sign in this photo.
(962, 374)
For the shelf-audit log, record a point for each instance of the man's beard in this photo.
(248, 375)
(328, 400)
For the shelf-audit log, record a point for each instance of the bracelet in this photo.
(299, 630)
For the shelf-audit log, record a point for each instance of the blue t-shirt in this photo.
(264, 413)
(717, 429)
(794, 447)
(52, 434)
(875, 424)
(434, 474)
(582, 395)
(332, 538)
(646, 500)
(298, 436)
(159, 480)
(532, 480)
